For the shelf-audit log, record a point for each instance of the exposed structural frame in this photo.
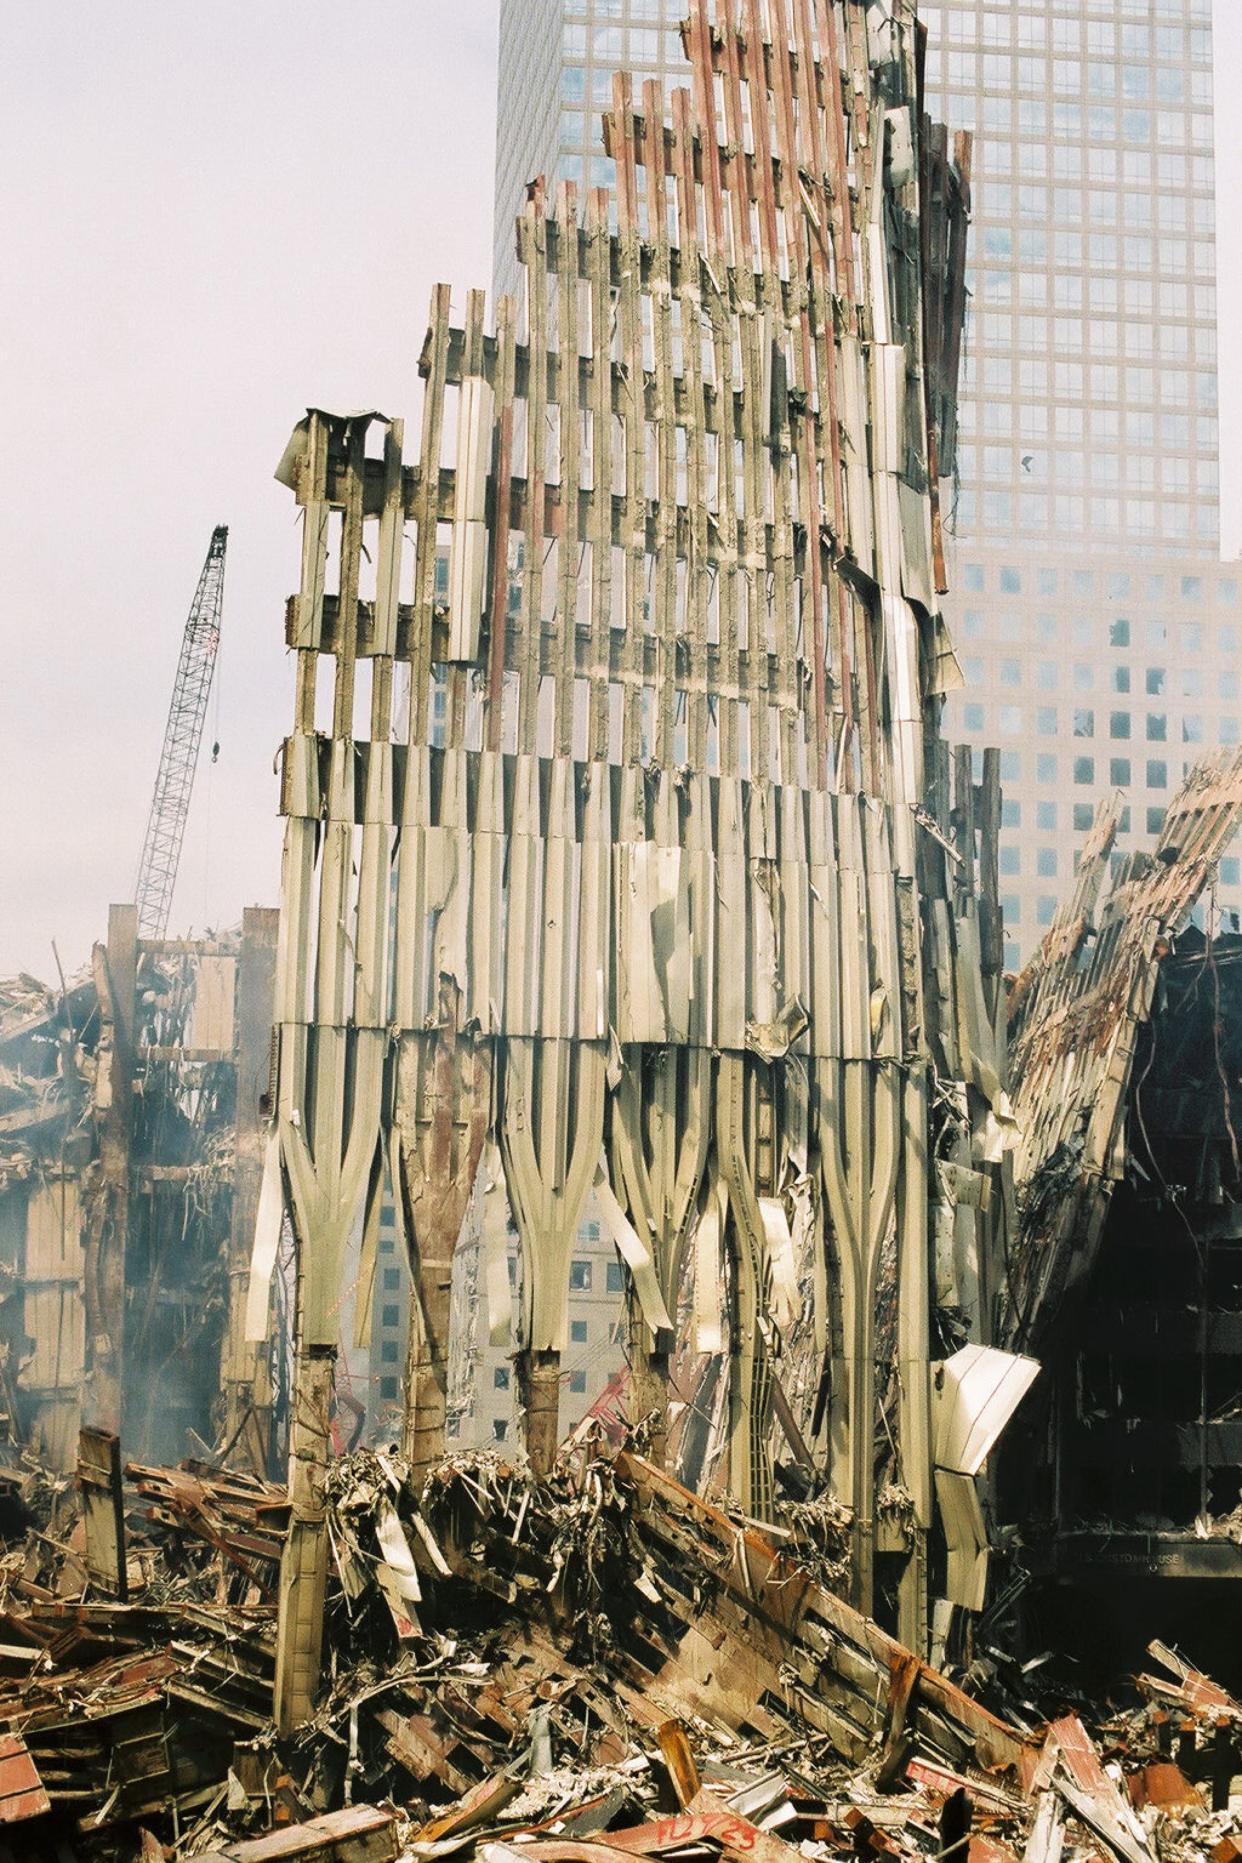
(679, 920)
(183, 736)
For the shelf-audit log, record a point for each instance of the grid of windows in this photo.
(1157, 644)
(1089, 388)
(483, 1388)
(557, 61)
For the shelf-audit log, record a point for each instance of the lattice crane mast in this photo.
(183, 736)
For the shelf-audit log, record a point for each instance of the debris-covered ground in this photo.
(602, 1665)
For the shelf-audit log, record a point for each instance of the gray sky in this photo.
(214, 215)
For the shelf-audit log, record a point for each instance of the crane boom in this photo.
(183, 736)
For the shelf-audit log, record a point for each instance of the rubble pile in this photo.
(597, 1666)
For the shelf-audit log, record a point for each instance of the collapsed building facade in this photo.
(1125, 1274)
(131, 1121)
(679, 913)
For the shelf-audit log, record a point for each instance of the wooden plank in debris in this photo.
(358, 1834)
(99, 1479)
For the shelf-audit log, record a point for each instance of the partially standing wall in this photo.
(661, 821)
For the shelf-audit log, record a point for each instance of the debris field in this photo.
(593, 1664)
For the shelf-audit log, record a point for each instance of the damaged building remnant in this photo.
(131, 1132)
(1075, 1015)
(658, 885)
(1127, 1278)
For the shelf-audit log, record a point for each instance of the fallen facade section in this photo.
(1126, 1276)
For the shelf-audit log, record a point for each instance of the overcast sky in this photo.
(214, 215)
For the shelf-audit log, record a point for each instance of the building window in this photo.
(1229, 870)
(500, 1378)
(577, 1332)
(972, 717)
(1155, 820)
(1119, 771)
(1045, 768)
(1084, 814)
(1010, 766)
(577, 1382)
(1192, 729)
(500, 1429)
(615, 1281)
(390, 1316)
(1010, 861)
(580, 1276)
(1084, 770)
(388, 1389)
(388, 1351)
(1046, 862)
(392, 1280)
(1157, 728)
(1011, 581)
(1119, 725)
(1084, 724)
(1157, 773)
(1046, 815)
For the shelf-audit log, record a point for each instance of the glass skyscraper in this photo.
(1097, 630)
